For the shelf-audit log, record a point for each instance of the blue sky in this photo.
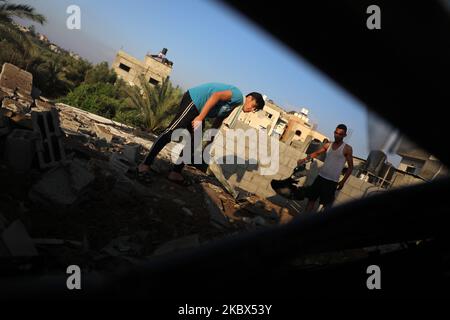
(207, 42)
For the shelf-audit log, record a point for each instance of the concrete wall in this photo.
(247, 176)
(149, 68)
(261, 118)
(155, 69)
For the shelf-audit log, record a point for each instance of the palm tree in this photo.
(157, 104)
(7, 29)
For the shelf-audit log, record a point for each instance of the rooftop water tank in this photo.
(375, 162)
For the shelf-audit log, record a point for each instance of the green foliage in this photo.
(9, 32)
(99, 98)
(157, 104)
(100, 73)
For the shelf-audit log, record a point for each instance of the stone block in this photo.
(14, 78)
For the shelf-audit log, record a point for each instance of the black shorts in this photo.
(323, 189)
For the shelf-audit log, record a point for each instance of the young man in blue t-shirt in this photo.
(210, 100)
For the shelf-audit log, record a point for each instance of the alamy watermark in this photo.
(374, 280)
(374, 20)
(74, 280)
(73, 21)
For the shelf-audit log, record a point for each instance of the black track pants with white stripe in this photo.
(183, 120)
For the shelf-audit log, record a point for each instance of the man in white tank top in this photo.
(327, 182)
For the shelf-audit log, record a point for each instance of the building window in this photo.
(298, 133)
(269, 115)
(124, 67)
(153, 81)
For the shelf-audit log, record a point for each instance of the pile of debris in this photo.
(68, 191)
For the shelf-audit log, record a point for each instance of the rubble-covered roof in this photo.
(69, 190)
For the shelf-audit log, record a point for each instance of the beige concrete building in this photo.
(300, 130)
(268, 119)
(288, 127)
(153, 69)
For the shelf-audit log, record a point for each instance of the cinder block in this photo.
(49, 146)
(20, 149)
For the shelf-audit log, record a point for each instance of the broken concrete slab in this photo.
(214, 205)
(80, 176)
(43, 105)
(62, 186)
(216, 170)
(18, 241)
(177, 245)
(14, 78)
(14, 105)
(53, 188)
(24, 98)
(103, 132)
(71, 126)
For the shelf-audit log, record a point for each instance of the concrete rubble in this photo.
(63, 185)
(73, 171)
